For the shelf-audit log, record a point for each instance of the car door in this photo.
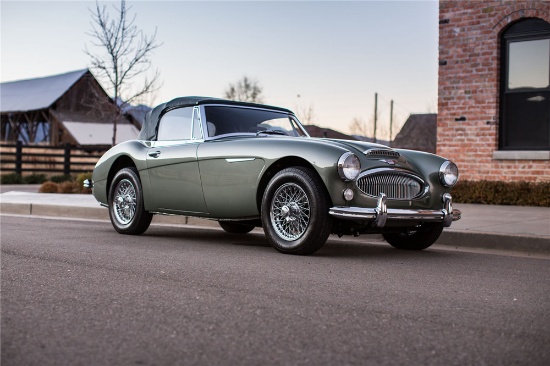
(230, 172)
(172, 163)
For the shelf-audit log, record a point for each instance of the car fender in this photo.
(134, 150)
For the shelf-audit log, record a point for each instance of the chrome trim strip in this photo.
(353, 213)
(238, 160)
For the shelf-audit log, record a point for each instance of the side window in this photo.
(176, 125)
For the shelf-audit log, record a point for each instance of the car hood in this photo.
(382, 156)
(358, 146)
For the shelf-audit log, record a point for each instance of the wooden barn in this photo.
(70, 108)
(418, 133)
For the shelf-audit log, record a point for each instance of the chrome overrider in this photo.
(88, 183)
(381, 213)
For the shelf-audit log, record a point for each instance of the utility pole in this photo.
(375, 113)
(391, 119)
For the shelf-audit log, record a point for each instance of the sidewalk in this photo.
(514, 228)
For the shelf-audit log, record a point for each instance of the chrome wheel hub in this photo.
(290, 212)
(124, 203)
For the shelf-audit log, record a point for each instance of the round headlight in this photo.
(349, 166)
(448, 174)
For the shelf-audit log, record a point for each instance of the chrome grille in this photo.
(382, 152)
(395, 184)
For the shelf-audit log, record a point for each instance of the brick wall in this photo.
(469, 87)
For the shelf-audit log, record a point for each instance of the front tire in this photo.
(295, 211)
(418, 239)
(126, 209)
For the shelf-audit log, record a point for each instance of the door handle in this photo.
(154, 154)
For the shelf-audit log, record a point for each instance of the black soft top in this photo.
(149, 129)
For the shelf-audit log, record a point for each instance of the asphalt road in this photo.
(77, 293)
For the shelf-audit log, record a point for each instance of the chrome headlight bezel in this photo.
(448, 174)
(349, 166)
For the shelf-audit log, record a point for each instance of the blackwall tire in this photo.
(418, 239)
(126, 209)
(235, 227)
(294, 211)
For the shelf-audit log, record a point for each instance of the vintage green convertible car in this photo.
(249, 165)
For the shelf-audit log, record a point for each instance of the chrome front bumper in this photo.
(380, 214)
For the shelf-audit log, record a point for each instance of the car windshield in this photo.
(223, 120)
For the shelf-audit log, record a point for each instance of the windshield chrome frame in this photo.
(290, 116)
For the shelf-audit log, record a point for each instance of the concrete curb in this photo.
(451, 238)
(495, 241)
(95, 213)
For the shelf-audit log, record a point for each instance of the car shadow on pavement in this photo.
(209, 236)
(357, 249)
(337, 248)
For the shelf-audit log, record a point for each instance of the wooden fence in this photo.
(20, 159)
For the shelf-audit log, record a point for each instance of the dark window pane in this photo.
(527, 121)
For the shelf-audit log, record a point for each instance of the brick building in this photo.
(494, 89)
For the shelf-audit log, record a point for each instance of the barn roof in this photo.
(316, 131)
(89, 133)
(36, 94)
(418, 133)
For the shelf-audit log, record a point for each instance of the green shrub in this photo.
(49, 187)
(61, 178)
(12, 178)
(502, 193)
(35, 178)
(80, 180)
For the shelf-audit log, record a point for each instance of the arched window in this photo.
(525, 86)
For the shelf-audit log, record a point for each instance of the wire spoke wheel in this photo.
(290, 211)
(124, 201)
(294, 211)
(126, 208)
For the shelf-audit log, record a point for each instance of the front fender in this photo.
(134, 150)
(321, 155)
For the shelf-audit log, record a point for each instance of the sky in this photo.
(327, 56)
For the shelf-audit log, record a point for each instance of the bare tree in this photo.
(245, 90)
(358, 127)
(306, 114)
(123, 56)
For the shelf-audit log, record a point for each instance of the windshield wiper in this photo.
(272, 132)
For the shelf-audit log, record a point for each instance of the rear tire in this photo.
(418, 239)
(235, 227)
(126, 209)
(295, 211)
